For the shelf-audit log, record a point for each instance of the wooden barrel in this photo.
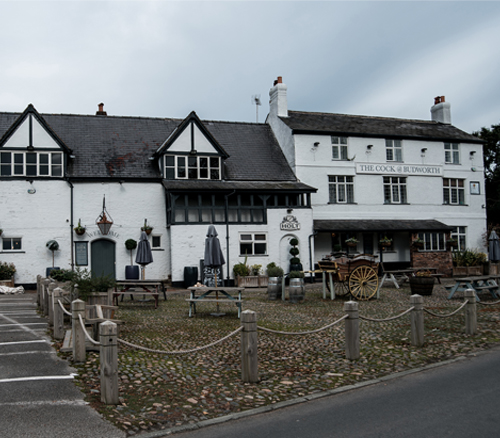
(274, 288)
(421, 285)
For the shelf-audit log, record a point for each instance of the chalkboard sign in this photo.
(208, 275)
(81, 253)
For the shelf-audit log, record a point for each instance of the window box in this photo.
(8, 283)
(463, 271)
(253, 281)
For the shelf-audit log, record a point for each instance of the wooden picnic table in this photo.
(478, 283)
(399, 273)
(204, 294)
(134, 287)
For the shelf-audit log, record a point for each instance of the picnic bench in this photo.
(134, 287)
(205, 296)
(478, 283)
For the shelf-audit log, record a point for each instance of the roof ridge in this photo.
(364, 116)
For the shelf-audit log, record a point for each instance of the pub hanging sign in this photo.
(290, 223)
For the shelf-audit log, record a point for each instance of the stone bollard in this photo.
(351, 330)
(79, 353)
(249, 347)
(50, 309)
(108, 332)
(470, 312)
(58, 314)
(417, 320)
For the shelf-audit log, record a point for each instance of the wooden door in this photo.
(102, 258)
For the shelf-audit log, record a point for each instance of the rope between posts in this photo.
(85, 331)
(447, 315)
(63, 309)
(489, 304)
(193, 350)
(365, 318)
(302, 333)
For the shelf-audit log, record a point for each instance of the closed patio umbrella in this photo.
(144, 254)
(494, 247)
(213, 258)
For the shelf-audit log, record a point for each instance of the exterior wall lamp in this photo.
(424, 150)
(369, 146)
(104, 221)
(471, 153)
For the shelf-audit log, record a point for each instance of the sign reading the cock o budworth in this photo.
(290, 223)
(399, 169)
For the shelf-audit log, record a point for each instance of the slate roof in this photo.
(367, 126)
(120, 147)
(380, 225)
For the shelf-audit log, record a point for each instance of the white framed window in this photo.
(393, 150)
(433, 241)
(31, 163)
(460, 234)
(192, 167)
(253, 244)
(339, 148)
(12, 244)
(453, 191)
(451, 153)
(395, 190)
(341, 189)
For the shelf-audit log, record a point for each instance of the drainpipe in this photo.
(227, 231)
(71, 225)
(311, 266)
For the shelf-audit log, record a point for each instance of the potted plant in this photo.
(147, 228)
(452, 243)
(241, 271)
(93, 290)
(275, 274)
(418, 243)
(422, 283)
(53, 246)
(79, 229)
(7, 271)
(295, 264)
(468, 262)
(352, 241)
(131, 271)
(385, 241)
(296, 288)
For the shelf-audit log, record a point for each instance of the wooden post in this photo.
(417, 320)
(352, 330)
(470, 313)
(52, 286)
(79, 353)
(108, 332)
(249, 347)
(58, 315)
(283, 293)
(38, 289)
(45, 288)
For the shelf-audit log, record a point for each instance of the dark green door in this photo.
(102, 258)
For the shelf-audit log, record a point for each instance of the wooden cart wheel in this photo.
(341, 287)
(363, 282)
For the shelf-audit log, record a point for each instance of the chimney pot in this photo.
(101, 111)
(280, 80)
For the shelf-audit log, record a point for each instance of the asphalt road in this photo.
(460, 399)
(38, 397)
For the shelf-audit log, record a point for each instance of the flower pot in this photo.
(80, 231)
(422, 285)
(296, 289)
(274, 288)
(352, 244)
(132, 272)
(147, 230)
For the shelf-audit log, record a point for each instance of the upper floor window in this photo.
(395, 190)
(253, 244)
(453, 191)
(451, 153)
(341, 189)
(339, 148)
(31, 163)
(393, 150)
(192, 167)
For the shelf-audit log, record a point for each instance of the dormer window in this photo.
(192, 167)
(18, 163)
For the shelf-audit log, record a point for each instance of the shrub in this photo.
(468, 257)
(296, 274)
(62, 274)
(255, 269)
(7, 270)
(241, 269)
(274, 271)
(87, 284)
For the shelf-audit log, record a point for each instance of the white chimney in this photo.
(440, 111)
(278, 105)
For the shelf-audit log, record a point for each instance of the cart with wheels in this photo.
(356, 275)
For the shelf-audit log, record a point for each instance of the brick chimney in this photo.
(440, 111)
(101, 111)
(278, 104)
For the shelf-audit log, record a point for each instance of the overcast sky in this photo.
(168, 58)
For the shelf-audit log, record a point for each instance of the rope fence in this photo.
(489, 304)
(448, 314)
(303, 333)
(392, 318)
